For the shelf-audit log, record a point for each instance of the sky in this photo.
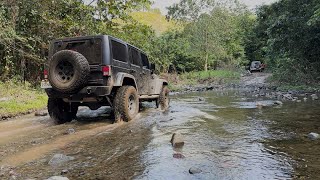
(162, 4)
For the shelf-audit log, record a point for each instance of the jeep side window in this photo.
(145, 61)
(134, 57)
(119, 51)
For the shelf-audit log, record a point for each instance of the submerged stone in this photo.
(58, 178)
(313, 136)
(194, 170)
(59, 159)
(177, 140)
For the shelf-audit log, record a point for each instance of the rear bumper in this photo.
(86, 92)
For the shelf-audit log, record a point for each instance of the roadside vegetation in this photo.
(178, 82)
(17, 98)
(286, 36)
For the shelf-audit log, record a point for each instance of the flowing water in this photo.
(228, 135)
(231, 135)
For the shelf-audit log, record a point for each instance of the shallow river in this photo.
(230, 135)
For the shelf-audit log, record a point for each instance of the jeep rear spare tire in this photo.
(126, 103)
(68, 71)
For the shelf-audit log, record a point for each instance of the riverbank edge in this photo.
(267, 88)
(18, 99)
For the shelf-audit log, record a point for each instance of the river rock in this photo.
(305, 99)
(287, 97)
(278, 103)
(70, 131)
(313, 136)
(40, 113)
(59, 159)
(194, 170)
(58, 178)
(177, 140)
(314, 97)
(178, 156)
(64, 171)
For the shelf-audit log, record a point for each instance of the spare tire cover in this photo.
(68, 71)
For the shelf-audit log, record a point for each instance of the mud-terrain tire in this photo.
(60, 111)
(126, 103)
(68, 71)
(164, 100)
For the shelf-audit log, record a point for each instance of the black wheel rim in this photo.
(132, 106)
(64, 71)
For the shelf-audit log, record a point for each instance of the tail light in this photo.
(106, 70)
(45, 74)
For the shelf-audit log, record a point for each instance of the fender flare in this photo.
(121, 76)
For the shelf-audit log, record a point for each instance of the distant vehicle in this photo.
(97, 71)
(257, 66)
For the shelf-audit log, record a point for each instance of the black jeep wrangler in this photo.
(97, 71)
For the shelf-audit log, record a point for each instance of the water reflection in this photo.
(230, 135)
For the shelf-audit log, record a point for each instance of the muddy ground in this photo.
(228, 134)
(102, 150)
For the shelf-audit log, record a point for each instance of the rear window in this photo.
(119, 51)
(90, 48)
(135, 57)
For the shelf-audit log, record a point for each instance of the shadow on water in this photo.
(230, 135)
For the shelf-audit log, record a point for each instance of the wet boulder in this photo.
(41, 113)
(177, 140)
(59, 159)
(313, 136)
(58, 178)
(178, 156)
(194, 170)
(278, 103)
(287, 97)
(314, 97)
(64, 171)
(70, 131)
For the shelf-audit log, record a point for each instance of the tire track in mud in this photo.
(34, 153)
(28, 138)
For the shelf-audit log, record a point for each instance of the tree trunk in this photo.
(206, 62)
(207, 53)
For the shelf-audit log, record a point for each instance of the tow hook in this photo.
(89, 90)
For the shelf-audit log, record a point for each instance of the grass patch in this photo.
(304, 88)
(297, 85)
(219, 74)
(219, 77)
(16, 97)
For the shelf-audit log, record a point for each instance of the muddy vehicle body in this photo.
(98, 71)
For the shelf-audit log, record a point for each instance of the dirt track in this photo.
(255, 79)
(27, 144)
